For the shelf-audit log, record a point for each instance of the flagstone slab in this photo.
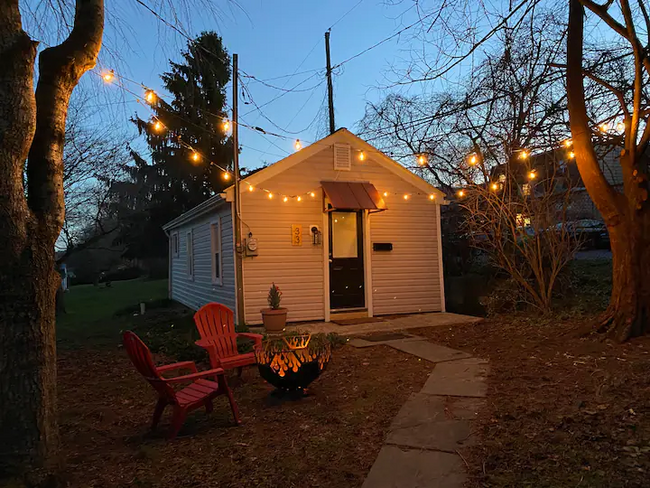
(428, 350)
(464, 378)
(430, 422)
(407, 468)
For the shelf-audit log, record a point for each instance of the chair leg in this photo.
(239, 371)
(223, 386)
(177, 422)
(157, 413)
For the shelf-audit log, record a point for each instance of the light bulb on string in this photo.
(406, 197)
(461, 193)
(195, 156)
(109, 76)
(620, 127)
(604, 127)
(297, 145)
(226, 175)
(150, 96)
(422, 159)
(362, 156)
(568, 143)
(432, 197)
(494, 186)
(532, 175)
(157, 126)
(250, 188)
(312, 194)
(473, 159)
(285, 199)
(523, 154)
(299, 198)
(385, 193)
(225, 125)
(572, 155)
(270, 196)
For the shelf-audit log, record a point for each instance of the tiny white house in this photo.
(338, 226)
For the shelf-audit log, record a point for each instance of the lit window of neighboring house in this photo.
(525, 189)
(502, 178)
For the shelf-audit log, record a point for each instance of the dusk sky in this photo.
(273, 40)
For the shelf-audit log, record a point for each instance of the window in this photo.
(215, 246)
(175, 244)
(190, 254)
(525, 189)
(344, 235)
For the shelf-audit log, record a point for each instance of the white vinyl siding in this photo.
(200, 290)
(405, 279)
(215, 246)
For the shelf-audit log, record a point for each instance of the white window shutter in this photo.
(342, 157)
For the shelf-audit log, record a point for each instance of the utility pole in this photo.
(330, 90)
(239, 249)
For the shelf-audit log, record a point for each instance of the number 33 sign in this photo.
(296, 235)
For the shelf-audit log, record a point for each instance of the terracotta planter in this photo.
(274, 320)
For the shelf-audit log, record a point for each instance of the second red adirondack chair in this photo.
(216, 325)
(199, 393)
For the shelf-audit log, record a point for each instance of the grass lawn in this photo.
(328, 439)
(91, 309)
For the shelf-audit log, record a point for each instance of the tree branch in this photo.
(60, 69)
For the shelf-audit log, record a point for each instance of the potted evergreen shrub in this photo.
(274, 318)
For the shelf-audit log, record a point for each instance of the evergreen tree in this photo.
(172, 181)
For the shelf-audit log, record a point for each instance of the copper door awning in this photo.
(353, 195)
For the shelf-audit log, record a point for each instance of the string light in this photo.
(406, 197)
(473, 159)
(422, 159)
(250, 188)
(532, 175)
(270, 196)
(620, 127)
(523, 155)
(226, 176)
(604, 127)
(297, 145)
(195, 156)
(572, 155)
(385, 193)
(157, 126)
(109, 76)
(312, 194)
(494, 186)
(568, 143)
(432, 197)
(362, 156)
(150, 96)
(225, 125)
(461, 193)
(285, 199)
(299, 198)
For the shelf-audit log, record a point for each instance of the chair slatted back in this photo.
(216, 324)
(141, 358)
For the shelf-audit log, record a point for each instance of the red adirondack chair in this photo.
(216, 325)
(199, 393)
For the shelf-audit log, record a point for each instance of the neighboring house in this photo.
(338, 226)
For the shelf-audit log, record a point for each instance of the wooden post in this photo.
(239, 276)
(330, 89)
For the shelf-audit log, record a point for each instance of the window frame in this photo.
(216, 246)
(175, 244)
(189, 253)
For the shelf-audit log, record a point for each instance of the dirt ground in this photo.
(562, 411)
(329, 439)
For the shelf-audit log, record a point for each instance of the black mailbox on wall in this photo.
(382, 246)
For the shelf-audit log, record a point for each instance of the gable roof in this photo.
(340, 136)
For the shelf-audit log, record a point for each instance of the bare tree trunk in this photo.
(626, 214)
(33, 125)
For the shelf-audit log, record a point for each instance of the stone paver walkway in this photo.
(421, 448)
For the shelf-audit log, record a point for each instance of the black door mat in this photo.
(361, 320)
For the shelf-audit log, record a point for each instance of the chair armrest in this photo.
(178, 366)
(195, 376)
(249, 335)
(204, 343)
(211, 349)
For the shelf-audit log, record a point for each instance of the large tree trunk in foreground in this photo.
(32, 125)
(626, 214)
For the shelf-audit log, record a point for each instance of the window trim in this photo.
(216, 245)
(175, 244)
(189, 253)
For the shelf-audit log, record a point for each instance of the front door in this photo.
(346, 260)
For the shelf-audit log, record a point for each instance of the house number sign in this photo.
(296, 235)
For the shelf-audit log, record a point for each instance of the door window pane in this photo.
(344, 235)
